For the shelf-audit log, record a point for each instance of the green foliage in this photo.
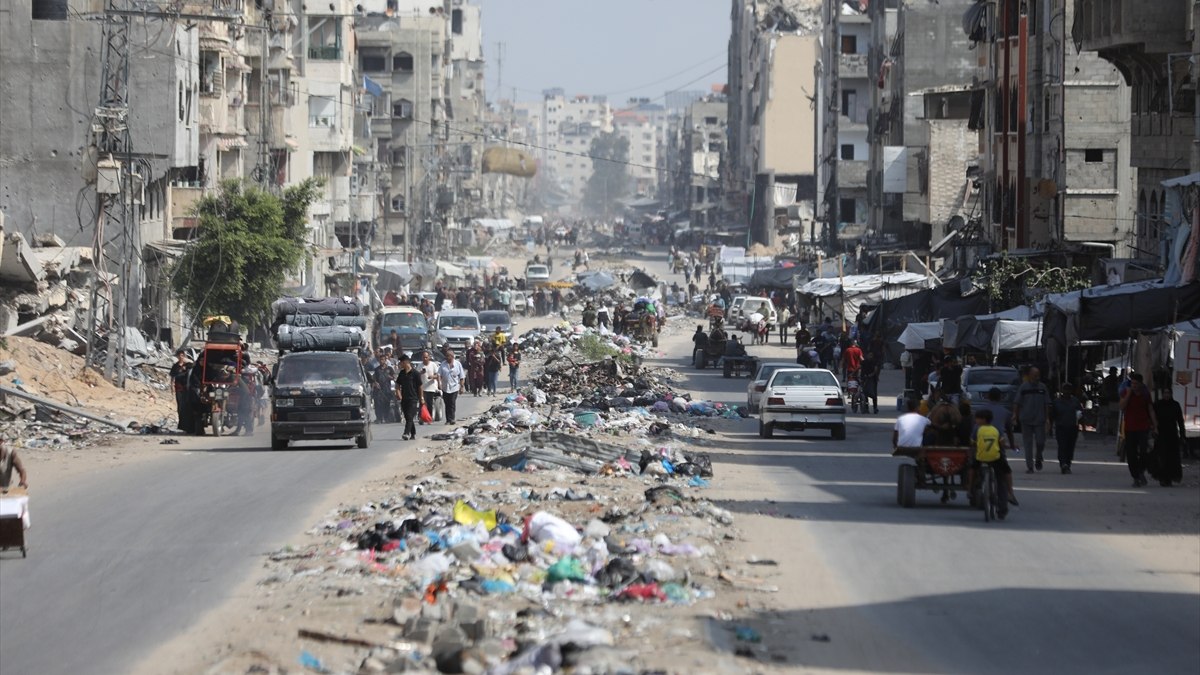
(610, 173)
(1009, 282)
(249, 241)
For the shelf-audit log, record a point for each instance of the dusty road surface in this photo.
(1087, 575)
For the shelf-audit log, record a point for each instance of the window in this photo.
(402, 109)
(456, 22)
(402, 62)
(712, 121)
(849, 102)
(325, 38)
(848, 151)
(1092, 156)
(323, 164)
(398, 204)
(49, 10)
(211, 75)
(847, 211)
(182, 110)
(849, 44)
(322, 111)
(398, 157)
(374, 63)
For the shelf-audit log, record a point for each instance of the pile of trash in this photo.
(514, 545)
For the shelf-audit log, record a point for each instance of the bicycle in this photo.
(994, 505)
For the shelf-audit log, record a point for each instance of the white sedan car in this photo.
(758, 383)
(797, 399)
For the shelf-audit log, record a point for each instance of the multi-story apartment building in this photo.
(855, 92)
(643, 138)
(1057, 154)
(704, 146)
(1151, 44)
(565, 128)
(771, 174)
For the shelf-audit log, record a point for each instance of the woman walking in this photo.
(514, 366)
(492, 362)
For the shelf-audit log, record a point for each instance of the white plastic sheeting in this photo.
(915, 334)
(1011, 336)
(847, 295)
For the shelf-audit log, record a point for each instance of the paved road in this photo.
(1071, 582)
(130, 557)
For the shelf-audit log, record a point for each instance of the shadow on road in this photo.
(1002, 630)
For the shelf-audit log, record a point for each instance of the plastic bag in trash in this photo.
(465, 515)
(543, 527)
(567, 569)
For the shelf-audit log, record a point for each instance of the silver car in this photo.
(798, 399)
(758, 384)
(491, 319)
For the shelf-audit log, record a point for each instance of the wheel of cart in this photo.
(941, 469)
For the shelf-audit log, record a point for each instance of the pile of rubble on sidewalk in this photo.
(563, 528)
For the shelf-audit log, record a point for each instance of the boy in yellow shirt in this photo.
(989, 449)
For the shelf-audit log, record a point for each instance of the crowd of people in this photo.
(401, 388)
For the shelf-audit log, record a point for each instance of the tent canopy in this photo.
(916, 334)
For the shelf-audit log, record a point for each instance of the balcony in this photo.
(325, 53)
(852, 66)
(852, 174)
(1122, 30)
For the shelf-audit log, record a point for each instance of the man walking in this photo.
(431, 386)
(410, 391)
(1140, 422)
(451, 376)
(1032, 410)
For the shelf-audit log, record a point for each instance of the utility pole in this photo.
(117, 249)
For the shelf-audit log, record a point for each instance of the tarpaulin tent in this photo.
(916, 335)
(944, 302)
(847, 295)
(777, 278)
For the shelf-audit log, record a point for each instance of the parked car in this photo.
(734, 310)
(977, 381)
(457, 328)
(492, 319)
(758, 383)
(798, 399)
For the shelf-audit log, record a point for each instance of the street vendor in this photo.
(8, 462)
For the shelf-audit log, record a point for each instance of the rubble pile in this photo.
(45, 290)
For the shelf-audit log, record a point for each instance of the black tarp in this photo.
(323, 306)
(780, 278)
(1113, 317)
(316, 320)
(326, 338)
(972, 334)
(640, 280)
(943, 302)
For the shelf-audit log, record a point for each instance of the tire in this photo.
(838, 433)
(765, 430)
(727, 370)
(906, 486)
(696, 359)
(363, 441)
(217, 419)
(278, 443)
(987, 496)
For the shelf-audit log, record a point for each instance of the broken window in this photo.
(849, 44)
(1093, 155)
(402, 62)
(324, 163)
(325, 38)
(398, 204)
(848, 151)
(847, 209)
(402, 109)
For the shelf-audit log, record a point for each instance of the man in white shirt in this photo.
(430, 381)
(451, 376)
(910, 427)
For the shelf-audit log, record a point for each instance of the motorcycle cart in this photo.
(220, 366)
(645, 327)
(934, 468)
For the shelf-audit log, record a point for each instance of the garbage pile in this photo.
(514, 573)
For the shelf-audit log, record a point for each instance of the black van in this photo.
(320, 396)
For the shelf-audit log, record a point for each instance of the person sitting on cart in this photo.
(734, 347)
(989, 449)
(718, 333)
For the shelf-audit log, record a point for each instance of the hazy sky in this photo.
(619, 48)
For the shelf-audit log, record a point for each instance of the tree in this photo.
(248, 241)
(610, 172)
(1009, 282)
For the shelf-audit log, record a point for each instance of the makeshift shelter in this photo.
(891, 317)
(780, 278)
(397, 274)
(846, 296)
(917, 336)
